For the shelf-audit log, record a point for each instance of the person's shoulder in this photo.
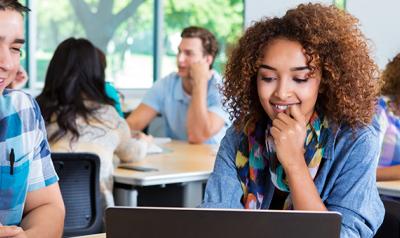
(361, 131)
(18, 99)
(233, 135)
(170, 78)
(166, 83)
(106, 109)
(364, 137)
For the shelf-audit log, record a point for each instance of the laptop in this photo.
(151, 222)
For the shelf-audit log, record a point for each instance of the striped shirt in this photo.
(23, 134)
(389, 130)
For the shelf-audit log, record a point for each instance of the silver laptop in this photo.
(149, 222)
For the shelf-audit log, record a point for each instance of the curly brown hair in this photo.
(333, 44)
(391, 78)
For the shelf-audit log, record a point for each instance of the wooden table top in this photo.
(182, 162)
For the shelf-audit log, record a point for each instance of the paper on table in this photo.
(154, 149)
(161, 140)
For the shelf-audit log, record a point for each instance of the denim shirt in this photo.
(346, 180)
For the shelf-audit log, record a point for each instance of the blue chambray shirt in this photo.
(21, 129)
(346, 180)
(169, 99)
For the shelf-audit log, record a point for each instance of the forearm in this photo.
(134, 122)
(388, 173)
(303, 191)
(198, 121)
(44, 221)
(141, 117)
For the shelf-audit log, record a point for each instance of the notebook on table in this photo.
(152, 222)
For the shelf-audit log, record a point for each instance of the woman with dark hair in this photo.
(301, 89)
(79, 116)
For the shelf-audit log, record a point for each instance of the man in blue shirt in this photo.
(30, 200)
(189, 100)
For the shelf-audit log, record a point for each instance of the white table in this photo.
(102, 235)
(389, 188)
(190, 164)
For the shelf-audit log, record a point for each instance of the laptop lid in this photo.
(149, 222)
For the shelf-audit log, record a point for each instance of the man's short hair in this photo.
(208, 40)
(13, 5)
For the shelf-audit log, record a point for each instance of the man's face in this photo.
(190, 51)
(11, 41)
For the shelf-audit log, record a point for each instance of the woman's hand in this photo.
(289, 133)
(142, 136)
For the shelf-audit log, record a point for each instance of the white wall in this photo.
(380, 23)
(375, 19)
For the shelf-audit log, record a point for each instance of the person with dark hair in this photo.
(188, 100)
(80, 117)
(388, 118)
(299, 140)
(30, 199)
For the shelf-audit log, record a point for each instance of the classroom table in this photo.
(101, 235)
(181, 163)
(389, 188)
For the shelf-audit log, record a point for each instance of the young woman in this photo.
(79, 116)
(300, 89)
(388, 117)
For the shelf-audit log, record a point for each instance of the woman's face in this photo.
(284, 80)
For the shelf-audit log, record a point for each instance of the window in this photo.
(340, 4)
(223, 18)
(126, 31)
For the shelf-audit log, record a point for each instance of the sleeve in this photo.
(223, 188)
(354, 193)
(154, 97)
(129, 149)
(113, 94)
(42, 172)
(380, 121)
(214, 102)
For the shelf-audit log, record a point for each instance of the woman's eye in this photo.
(300, 80)
(267, 79)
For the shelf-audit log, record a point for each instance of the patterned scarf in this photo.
(257, 153)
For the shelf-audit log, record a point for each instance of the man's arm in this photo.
(141, 117)
(201, 123)
(44, 213)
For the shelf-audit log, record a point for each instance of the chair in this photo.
(391, 223)
(80, 189)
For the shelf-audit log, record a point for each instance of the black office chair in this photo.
(390, 227)
(80, 189)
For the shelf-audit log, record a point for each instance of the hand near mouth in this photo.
(289, 132)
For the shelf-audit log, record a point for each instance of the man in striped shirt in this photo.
(30, 200)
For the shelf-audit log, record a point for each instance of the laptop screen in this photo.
(149, 222)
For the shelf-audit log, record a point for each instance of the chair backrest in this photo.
(391, 223)
(80, 189)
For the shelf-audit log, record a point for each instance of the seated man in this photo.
(188, 100)
(30, 200)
